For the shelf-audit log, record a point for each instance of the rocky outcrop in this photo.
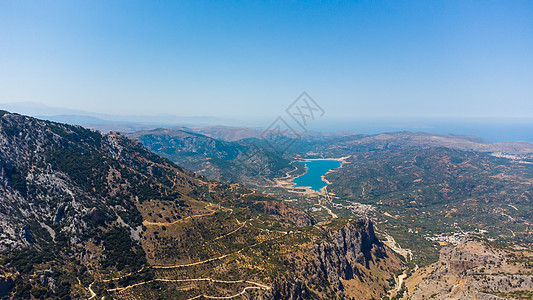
(288, 288)
(352, 247)
(473, 270)
(460, 259)
(346, 255)
(357, 241)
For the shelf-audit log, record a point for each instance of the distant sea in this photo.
(498, 130)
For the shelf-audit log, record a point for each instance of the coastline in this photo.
(287, 181)
(324, 190)
(341, 159)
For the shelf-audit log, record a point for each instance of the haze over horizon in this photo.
(446, 59)
(490, 129)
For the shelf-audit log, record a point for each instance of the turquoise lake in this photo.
(315, 170)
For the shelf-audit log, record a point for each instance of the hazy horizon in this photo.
(490, 129)
(442, 59)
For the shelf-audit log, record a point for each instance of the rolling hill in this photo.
(221, 160)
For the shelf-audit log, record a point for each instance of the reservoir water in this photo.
(315, 170)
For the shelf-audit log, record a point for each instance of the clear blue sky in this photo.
(234, 59)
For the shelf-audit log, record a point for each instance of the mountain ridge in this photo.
(100, 215)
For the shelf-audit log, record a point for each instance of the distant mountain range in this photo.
(424, 140)
(104, 121)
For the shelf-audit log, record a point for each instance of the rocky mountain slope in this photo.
(226, 161)
(475, 270)
(86, 215)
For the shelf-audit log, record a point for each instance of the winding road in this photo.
(255, 285)
(259, 285)
(406, 253)
(210, 213)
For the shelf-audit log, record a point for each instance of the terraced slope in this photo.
(86, 215)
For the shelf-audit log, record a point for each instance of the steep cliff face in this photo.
(346, 249)
(358, 243)
(348, 263)
(292, 288)
(353, 259)
(68, 193)
(86, 213)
